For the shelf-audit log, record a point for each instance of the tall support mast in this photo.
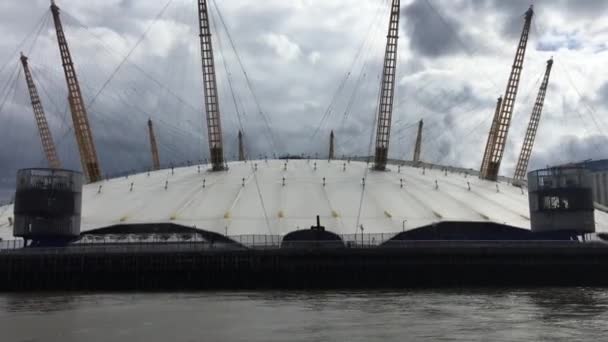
(418, 147)
(486, 154)
(153, 146)
(506, 112)
(48, 145)
(332, 141)
(82, 129)
(214, 126)
(526, 149)
(241, 147)
(387, 92)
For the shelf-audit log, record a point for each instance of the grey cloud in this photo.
(293, 95)
(511, 12)
(588, 8)
(571, 149)
(427, 34)
(602, 95)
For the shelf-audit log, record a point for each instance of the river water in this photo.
(563, 314)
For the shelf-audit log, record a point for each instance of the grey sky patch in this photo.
(565, 41)
(451, 86)
(602, 95)
(428, 35)
(571, 149)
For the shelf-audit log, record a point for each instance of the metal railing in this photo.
(265, 241)
(175, 241)
(134, 247)
(11, 244)
(273, 242)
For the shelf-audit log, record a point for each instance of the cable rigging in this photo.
(120, 96)
(364, 73)
(37, 28)
(348, 74)
(124, 59)
(265, 118)
(240, 121)
(128, 55)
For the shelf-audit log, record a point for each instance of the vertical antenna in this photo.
(506, 112)
(153, 146)
(214, 126)
(526, 149)
(387, 92)
(48, 144)
(418, 147)
(80, 119)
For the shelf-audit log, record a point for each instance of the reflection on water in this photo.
(39, 303)
(561, 314)
(570, 303)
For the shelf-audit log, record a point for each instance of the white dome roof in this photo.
(225, 205)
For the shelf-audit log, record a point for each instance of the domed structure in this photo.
(275, 197)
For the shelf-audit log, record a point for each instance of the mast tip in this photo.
(530, 11)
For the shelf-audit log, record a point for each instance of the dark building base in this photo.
(405, 267)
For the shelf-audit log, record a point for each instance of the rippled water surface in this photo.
(440, 315)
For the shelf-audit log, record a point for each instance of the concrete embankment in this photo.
(225, 268)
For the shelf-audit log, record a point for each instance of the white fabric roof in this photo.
(225, 205)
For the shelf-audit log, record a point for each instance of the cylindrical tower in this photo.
(48, 204)
(561, 200)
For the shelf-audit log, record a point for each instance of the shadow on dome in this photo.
(475, 231)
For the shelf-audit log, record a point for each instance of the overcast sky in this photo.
(311, 66)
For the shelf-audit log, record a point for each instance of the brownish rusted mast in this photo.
(503, 121)
(153, 146)
(387, 92)
(332, 140)
(486, 155)
(418, 146)
(241, 147)
(82, 129)
(48, 145)
(526, 149)
(214, 126)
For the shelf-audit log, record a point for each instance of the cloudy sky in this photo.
(291, 71)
